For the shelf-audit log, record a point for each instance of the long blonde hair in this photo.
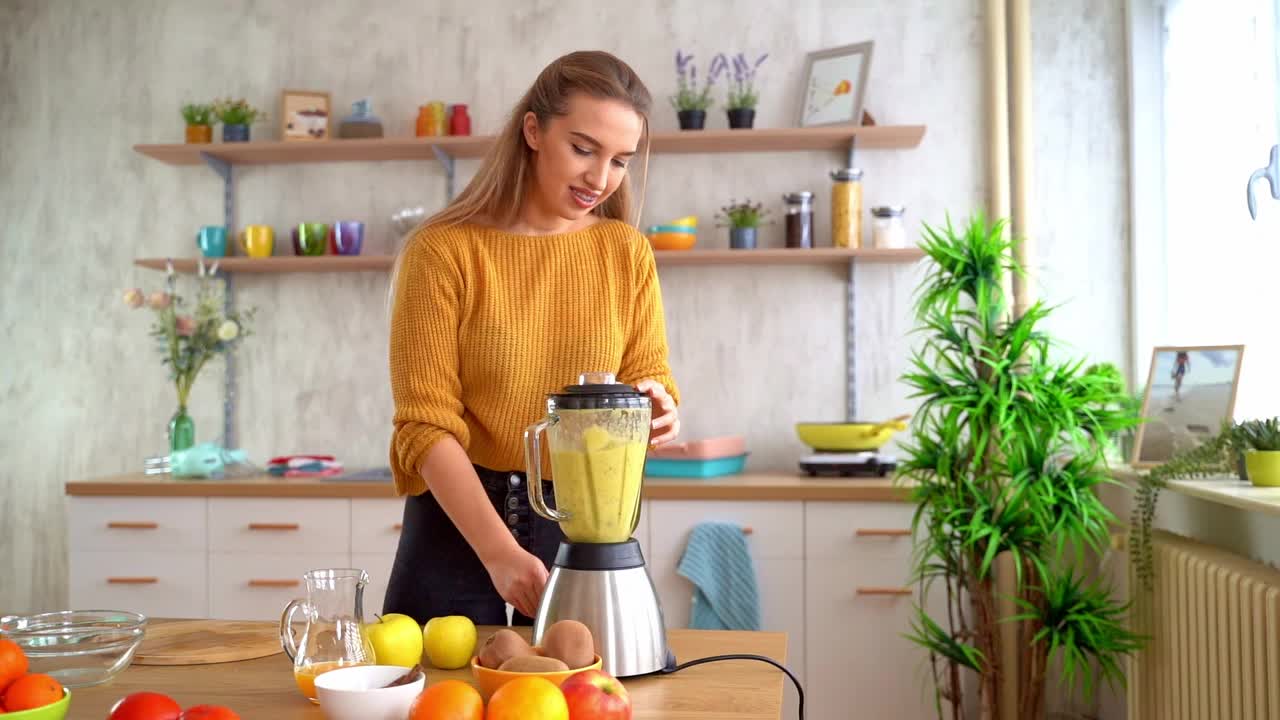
(498, 189)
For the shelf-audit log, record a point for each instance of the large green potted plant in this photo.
(1007, 450)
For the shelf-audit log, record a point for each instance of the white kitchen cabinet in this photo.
(250, 586)
(857, 562)
(776, 540)
(280, 525)
(154, 583)
(98, 524)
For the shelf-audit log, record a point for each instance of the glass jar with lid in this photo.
(799, 219)
(846, 208)
(887, 228)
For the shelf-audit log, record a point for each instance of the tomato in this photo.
(146, 706)
(209, 712)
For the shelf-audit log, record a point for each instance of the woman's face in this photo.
(581, 157)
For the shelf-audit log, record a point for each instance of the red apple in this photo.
(596, 695)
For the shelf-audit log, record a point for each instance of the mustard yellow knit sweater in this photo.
(485, 323)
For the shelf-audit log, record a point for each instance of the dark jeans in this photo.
(437, 573)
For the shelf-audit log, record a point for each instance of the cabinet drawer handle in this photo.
(119, 525)
(132, 581)
(398, 527)
(895, 591)
(274, 526)
(748, 530)
(274, 583)
(881, 532)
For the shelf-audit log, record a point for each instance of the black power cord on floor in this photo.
(716, 658)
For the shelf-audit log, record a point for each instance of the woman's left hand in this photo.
(666, 419)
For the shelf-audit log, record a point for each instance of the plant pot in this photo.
(182, 430)
(742, 238)
(1263, 467)
(692, 119)
(235, 133)
(741, 117)
(199, 134)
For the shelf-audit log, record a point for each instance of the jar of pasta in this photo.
(846, 208)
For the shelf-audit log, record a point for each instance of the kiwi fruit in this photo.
(533, 664)
(501, 647)
(570, 642)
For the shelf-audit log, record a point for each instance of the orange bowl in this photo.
(490, 680)
(672, 240)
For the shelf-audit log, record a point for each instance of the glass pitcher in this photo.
(598, 434)
(334, 634)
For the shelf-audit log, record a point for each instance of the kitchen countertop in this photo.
(264, 688)
(750, 486)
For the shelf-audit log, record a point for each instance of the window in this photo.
(1216, 277)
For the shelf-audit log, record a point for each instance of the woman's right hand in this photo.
(519, 577)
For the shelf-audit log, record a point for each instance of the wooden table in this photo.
(264, 688)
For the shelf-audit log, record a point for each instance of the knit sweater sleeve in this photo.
(645, 354)
(424, 358)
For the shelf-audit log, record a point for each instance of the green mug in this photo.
(310, 238)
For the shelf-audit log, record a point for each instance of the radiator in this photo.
(1213, 619)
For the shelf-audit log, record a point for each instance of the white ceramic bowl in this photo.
(357, 693)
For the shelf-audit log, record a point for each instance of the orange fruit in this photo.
(448, 700)
(13, 663)
(32, 691)
(528, 698)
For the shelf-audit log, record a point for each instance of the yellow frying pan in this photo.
(849, 436)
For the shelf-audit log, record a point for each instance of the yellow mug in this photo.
(257, 240)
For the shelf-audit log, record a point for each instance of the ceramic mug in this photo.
(346, 237)
(212, 241)
(257, 240)
(310, 238)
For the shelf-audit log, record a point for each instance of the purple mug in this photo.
(347, 236)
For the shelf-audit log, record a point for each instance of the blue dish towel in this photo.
(718, 562)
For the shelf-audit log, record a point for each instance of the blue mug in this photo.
(346, 237)
(212, 240)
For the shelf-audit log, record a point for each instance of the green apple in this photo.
(397, 640)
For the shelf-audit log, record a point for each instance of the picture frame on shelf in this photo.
(304, 115)
(835, 84)
(1190, 393)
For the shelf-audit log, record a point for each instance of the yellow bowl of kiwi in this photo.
(567, 649)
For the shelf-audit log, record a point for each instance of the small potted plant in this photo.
(236, 117)
(743, 220)
(200, 119)
(690, 101)
(1260, 441)
(741, 105)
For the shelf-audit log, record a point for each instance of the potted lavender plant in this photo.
(743, 96)
(690, 101)
(743, 220)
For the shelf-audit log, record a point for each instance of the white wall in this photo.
(81, 389)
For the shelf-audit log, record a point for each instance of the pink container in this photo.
(708, 449)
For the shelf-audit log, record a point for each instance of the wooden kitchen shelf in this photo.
(413, 148)
(382, 263)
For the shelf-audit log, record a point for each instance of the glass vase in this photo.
(182, 430)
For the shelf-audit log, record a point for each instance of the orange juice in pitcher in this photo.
(334, 635)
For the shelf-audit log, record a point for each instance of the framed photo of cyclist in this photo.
(1190, 392)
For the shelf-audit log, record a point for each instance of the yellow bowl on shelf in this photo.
(490, 680)
(847, 436)
(672, 240)
(686, 221)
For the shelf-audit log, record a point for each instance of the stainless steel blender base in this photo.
(621, 609)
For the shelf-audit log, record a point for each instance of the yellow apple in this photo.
(397, 640)
(450, 641)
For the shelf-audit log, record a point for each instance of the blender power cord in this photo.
(761, 658)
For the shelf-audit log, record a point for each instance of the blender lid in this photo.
(600, 390)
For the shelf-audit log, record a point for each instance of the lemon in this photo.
(449, 641)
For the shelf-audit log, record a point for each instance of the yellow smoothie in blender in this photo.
(599, 484)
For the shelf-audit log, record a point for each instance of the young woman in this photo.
(530, 277)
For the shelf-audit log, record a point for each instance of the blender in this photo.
(597, 436)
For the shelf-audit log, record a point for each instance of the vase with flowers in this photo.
(743, 96)
(236, 117)
(188, 334)
(743, 220)
(199, 118)
(691, 101)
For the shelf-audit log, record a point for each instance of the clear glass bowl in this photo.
(77, 647)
